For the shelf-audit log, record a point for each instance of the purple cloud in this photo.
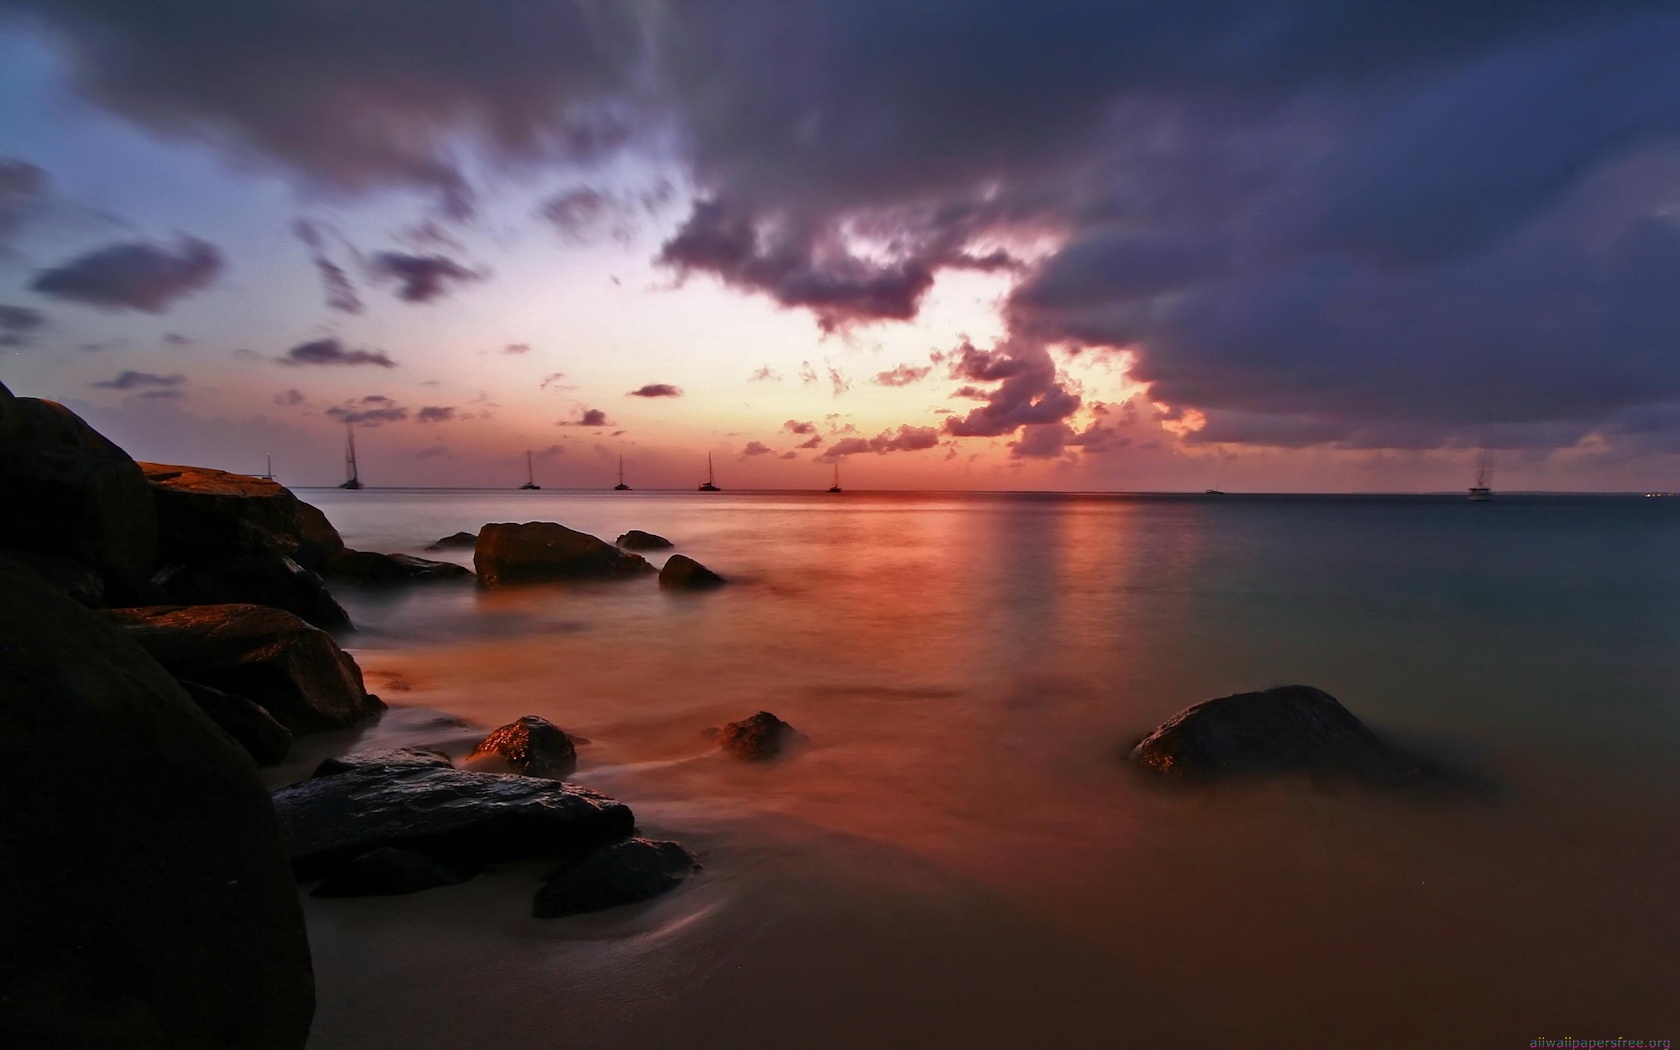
(136, 380)
(332, 352)
(656, 390)
(140, 275)
(421, 278)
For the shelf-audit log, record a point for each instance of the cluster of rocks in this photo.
(509, 554)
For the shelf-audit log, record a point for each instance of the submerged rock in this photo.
(387, 872)
(543, 551)
(147, 897)
(637, 540)
(295, 671)
(267, 579)
(246, 721)
(386, 758)
(532, 746)
(205, 514)
(761, 737)
(623, 873)
(454, 815)
(1284, 729)
(684, 573)
(391, 568)
(458, 541)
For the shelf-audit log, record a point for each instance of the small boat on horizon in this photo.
(621, 486)
(1213, 492)
(836, 486)
(1482, 490)
(710, 484)
(354, 481)
(530, 474)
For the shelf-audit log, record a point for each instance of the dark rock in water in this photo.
(623, 873)
(459, 541)
(69, 577)
(391, 568)
(685, 574)
(761, 737)
(452, 814)
(147, 900)
(267, 579)
(66, 490)
(532, 746)
(1284, 729)
(387, 758)
(542, 551)
(295, 671)
(250, 725)
(637, 540)
(205, 514)
(386, 872)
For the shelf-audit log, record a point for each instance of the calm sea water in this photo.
(959, 859)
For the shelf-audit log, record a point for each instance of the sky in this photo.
(1279, 246)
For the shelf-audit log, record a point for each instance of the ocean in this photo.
(959, 857)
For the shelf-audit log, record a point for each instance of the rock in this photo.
(454, 815)
(71, 578)
(246, 721)
(623, 873)
(205, 514)
(144, 889)
(267, 579)
(388, 758)
(761, 737)
(391, 568)
(637, 540)
(386, 872)
(532, 746)
(1285, 729)
(458, 541)
(67, 491)
(685, 574)
(542, 551)
(295, 671)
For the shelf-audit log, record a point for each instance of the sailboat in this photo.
(708, 485)
(352, 482)
(530, 475)
(836, 486)
(1482, 491)
(621, 486)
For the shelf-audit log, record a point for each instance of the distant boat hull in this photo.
(530, 486)
(709, 487)
(351, 484)
(835, 488)
(1480, 494)
(621, 487)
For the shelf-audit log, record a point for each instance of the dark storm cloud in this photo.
(656, 390)
(421, 278)
(374, 416)
(340, 293)
(333, 352)
(435, 414)
(20, 318)
(137, 380)
(1031, 393)
(907, 439)
(140, 275)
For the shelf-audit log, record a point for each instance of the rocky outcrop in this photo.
(460, 541)
(1291, 728)
(206, 514)
(386, 758)
(542, 551)
(759, 738)
(453, 815)
(147, 899)
(387, 872)
(532, 746)
(70, 578)
(637, 540)
(67, 491)
(267, 579)
(391, 568)
(682, 573)
(246, 721)
(623, 873)
(295, 671)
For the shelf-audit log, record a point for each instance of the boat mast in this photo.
(621, 469)
(350, 450)
(530, 474)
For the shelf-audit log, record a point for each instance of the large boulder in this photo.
(682, 573)
(623, 873)
(1290, 728)
(759, 738)
(205, 514)
(246, 721)
(637, 540)
(385, 758)
(459, 541)
(64, 575)
(295, 671)
(66, 490)
(532, 746)
(391, 568)
(146, 901)
(254, 579)
(454, 815)
(542, 551)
